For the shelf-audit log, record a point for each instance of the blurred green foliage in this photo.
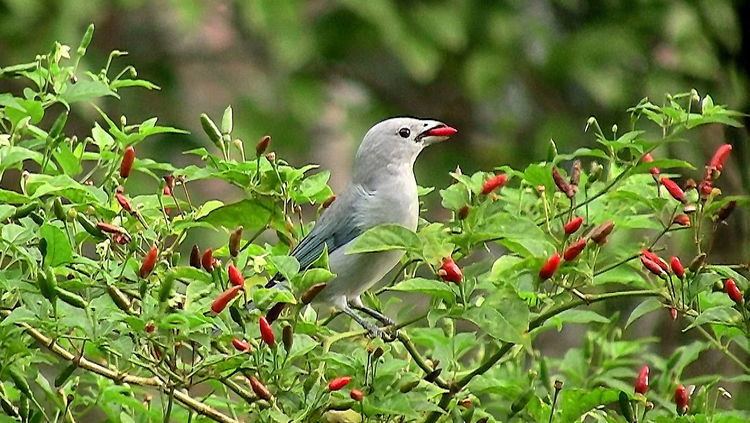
(510, 74)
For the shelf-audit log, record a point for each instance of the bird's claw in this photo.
(374, 331)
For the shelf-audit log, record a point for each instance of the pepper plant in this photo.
(108, 311)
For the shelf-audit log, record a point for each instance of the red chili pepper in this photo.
(221, 302)
(463, 212)
(494, 182)
(147, 266)
(575, 174)
(674, 190)
(338, 383)
(720, 156)
(656, 259)
(266, 333)
(121, 239)
(109, 228)
(677, 267)
(124, 202)
(549, 267)
(681, 399)
(235, 276)
(195, 257)
(128, 157)
(262, 145)
(562, 184)
(356, 395)
(574, 250)
(208, 260)
(168, 184)
(682, 220)
(167, 191)
(241, 345)
(600, 233)
(730, 287)
(641, 382)
(573, 225)
(673, 313)
(327, 203)
(260, 389)
(705, 187)
(653, 267)
(648, 158)
(449, 271)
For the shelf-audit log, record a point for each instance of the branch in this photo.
(120, 377)
(537, 322)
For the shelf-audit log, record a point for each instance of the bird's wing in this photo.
(338, 225)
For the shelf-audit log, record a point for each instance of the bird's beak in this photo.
(442, 132)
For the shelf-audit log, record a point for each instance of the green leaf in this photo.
(663, 164)
(506, 320)
(266, 297)
(384, 238)
(58, 247)
(645, 307)
(576, 402)
(311, 277)
(67, 160)
(12, 197)
(10, 156)
(86, 90)
(286, 265)
(252, 214)
(725, 314)
(65, 186)
(430, 287)
(575, 316)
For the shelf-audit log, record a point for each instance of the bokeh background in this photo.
(511, 75)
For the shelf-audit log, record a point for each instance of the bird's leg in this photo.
(371, 328)
(356, 303)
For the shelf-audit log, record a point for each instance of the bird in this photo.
(383, 190)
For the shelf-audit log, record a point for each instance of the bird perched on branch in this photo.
(383, 190)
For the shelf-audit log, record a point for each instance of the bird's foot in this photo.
(373, 331)
(382, 318)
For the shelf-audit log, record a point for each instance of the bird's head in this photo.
(398, 141)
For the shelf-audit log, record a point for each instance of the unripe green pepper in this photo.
(57, 207)
(24, 210)
(86, 40)
(39, 220)
(520, 402)
(47, 284)
(165, 291)
(287, 337)
(625, 407)
(209, 127)
(226, 120)
(89, 227)
(71, 298)
(65, 374)
(58, 126)
(20, 381)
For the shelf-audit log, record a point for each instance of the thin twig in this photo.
(121, 377)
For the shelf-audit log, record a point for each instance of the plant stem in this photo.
(537, 322)
(121, 377)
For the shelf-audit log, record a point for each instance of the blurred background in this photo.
(316, 74)
(511, 75)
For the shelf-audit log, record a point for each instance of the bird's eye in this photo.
(404, 132)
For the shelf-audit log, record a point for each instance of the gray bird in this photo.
(383, 190)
